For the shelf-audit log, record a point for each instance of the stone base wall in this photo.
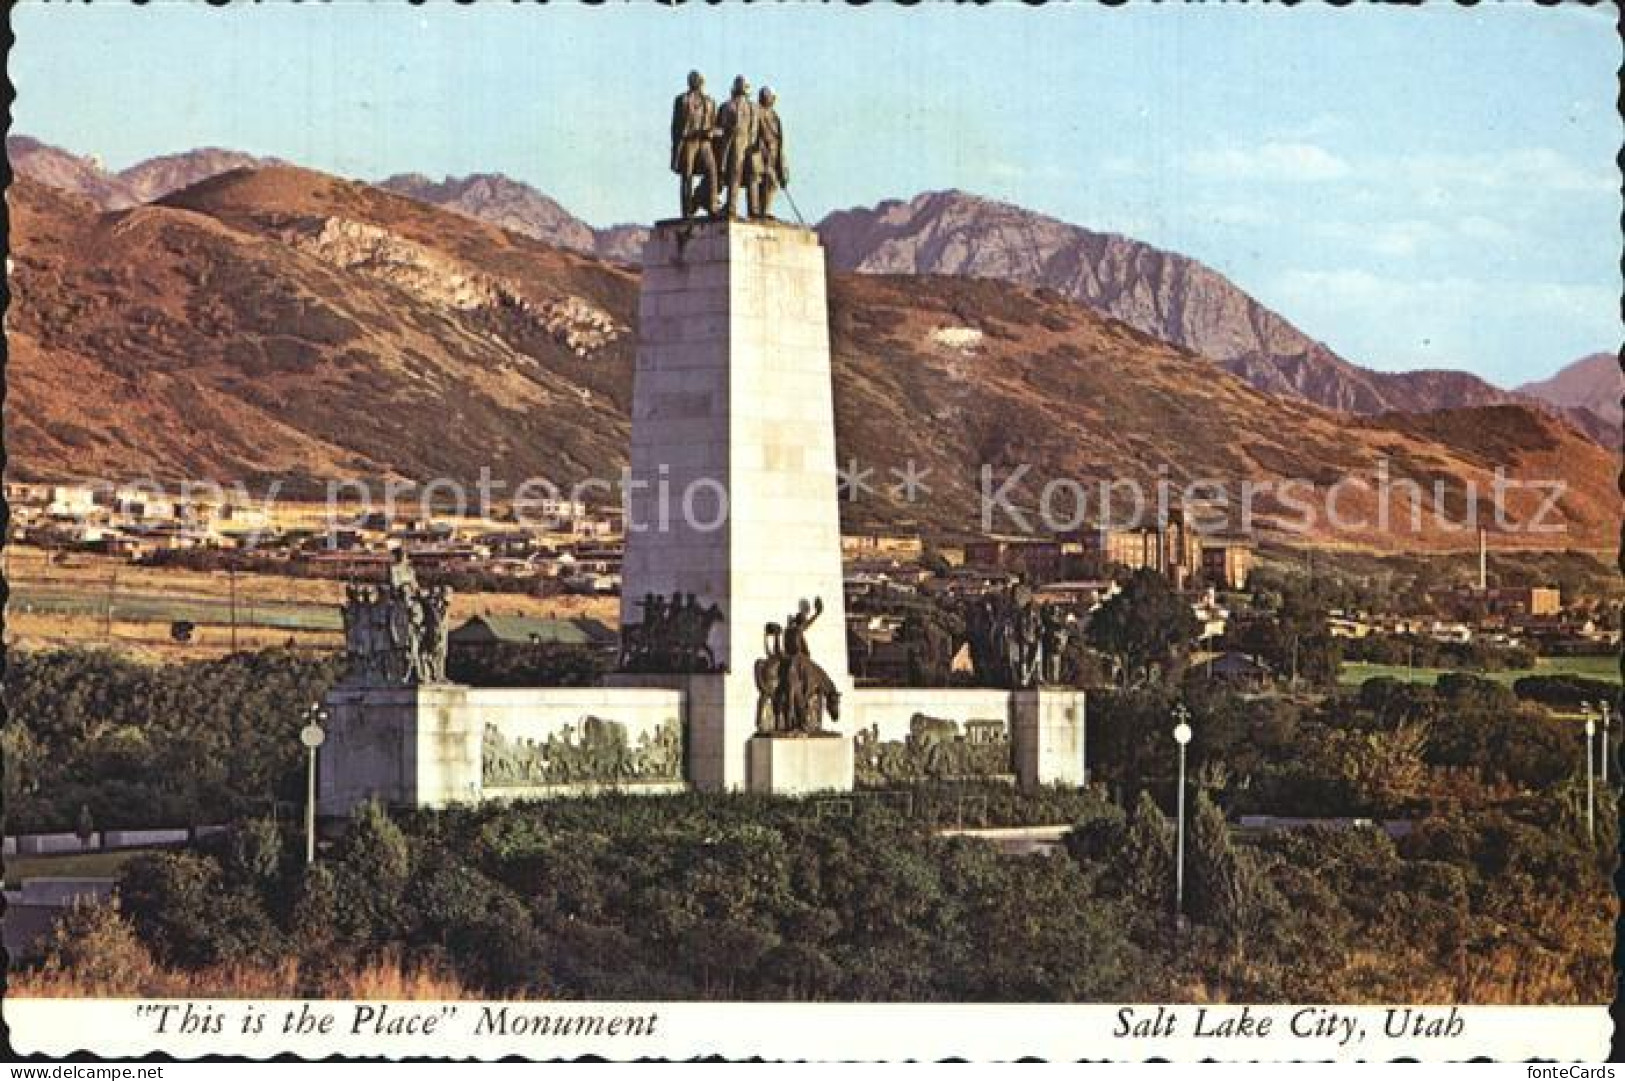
(444, 745)
(912, 734)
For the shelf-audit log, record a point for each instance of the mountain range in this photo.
(1167, 295)
(279, 323)
(1592, 383)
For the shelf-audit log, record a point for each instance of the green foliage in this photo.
(1294, 639)
(1147, 627)
(1422, 651)
(750, 897)
(313, 921)
(142, 747)
(513, 664)
(185, 911)
(1145, 865)
(375, 865)
(1566, 692)
(1219, 887)
(254, 854)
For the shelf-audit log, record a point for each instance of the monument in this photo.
(733, 670)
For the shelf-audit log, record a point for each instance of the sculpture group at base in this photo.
(395, 633)
(935, 748)
(739, 145)
(1016, 642)
(595, 751)
(672, 637)
(794, 693)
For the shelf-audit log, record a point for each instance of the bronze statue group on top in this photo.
(738, 145)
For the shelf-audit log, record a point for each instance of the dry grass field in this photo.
(60, 604)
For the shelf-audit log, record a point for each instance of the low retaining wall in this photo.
(66, 844)
(438, 746)
(442, 745)
(913, 734)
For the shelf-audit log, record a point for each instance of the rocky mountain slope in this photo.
(157, 177)
(288, 324)
(59, 169)
(519, 207)
(280, 323)
(1167, 295)
(140, 183)
(1592, 383)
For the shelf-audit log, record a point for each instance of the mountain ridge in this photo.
(1593, 383)
(1166, 294)
(279, 322)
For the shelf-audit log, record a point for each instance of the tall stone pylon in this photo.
(733, 492)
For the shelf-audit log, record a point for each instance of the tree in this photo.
(185, 911)
(1145, 866)
(1146, 627)
(254, 852)
(314, 921)
(375, 866)
(1217, 890)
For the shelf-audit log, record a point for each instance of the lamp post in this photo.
(1182, 736)
(312, 737)
(1591, 781)
(1607, 747)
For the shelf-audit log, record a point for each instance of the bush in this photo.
(1566, 692)
(184, 911)
(374, 867)
(135, 746)
(1217, 892)
(95, 948)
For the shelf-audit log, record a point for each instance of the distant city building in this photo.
(1036, 560)
(1525, 600)
(1227, 563)
(876, 545)
(1505, 602)
(241, 518)
(1078, 595)
(531, 630)
(26, 494)
(71, 501)
(1170, 548)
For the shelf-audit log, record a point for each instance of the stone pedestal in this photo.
(403, 746)
(795, 765)
(1047, 730)
(732, 493)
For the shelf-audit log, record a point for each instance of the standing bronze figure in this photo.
(737, 121)
(1016, 642)
(693, 126)
(795, 692)
(769, 172)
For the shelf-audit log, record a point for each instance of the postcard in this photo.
(809, 532)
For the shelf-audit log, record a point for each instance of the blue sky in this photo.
(1416, 188)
